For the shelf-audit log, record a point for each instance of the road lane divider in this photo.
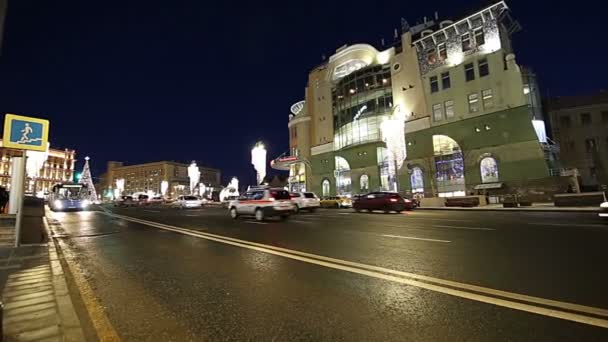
(414, 238)
(531, 304)
(455, 227)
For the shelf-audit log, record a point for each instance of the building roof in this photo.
(564, 102)
(162, 162)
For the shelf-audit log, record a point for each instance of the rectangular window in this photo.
(434, 84)
(445, 80)
(469, 72)
(586, 119)
(590, 145)
(488, 98)
(437, 112)
(466, 42)
(473, 103)
(564, 121)
(480, 39)
(484, 69)
(605, 117)
(443, 52)
(449, 109)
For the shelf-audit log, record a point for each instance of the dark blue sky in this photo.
(146, 80)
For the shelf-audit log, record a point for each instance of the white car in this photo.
(305, 201)
(184, 202)
(604, 210)
(262, 202)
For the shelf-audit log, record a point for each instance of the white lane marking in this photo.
(441, 219)
(569, 225)
(152, 211)
(344, 213)
(372, 271)
(299, 221)
(255, 222)
(414, 238)
(455, 227)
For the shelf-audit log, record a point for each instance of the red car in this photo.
(385, 201)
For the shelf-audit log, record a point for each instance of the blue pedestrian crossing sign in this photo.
(25, 133)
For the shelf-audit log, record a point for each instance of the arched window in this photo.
(364, 183)
(489, 170)
(325, 187)
(343, 180)
(449, 163)
(417, 180)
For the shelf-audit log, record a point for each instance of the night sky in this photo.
(145, 80)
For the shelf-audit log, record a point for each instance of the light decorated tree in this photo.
(87, 180)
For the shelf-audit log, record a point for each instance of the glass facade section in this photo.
(417, 180)
(360, 101)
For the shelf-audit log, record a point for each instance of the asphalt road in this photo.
(150, 274)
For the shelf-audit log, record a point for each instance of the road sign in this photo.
(25, 133)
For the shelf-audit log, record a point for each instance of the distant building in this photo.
(579, 124)
(58, 168)
(459, 112)
(149, 177)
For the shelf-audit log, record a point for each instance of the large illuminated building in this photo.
(445, 110)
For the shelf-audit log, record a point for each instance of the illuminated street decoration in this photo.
(202, 189)
(35, 162)
(232, 189)
(120, 187)
(297, 107)
(195, 175)
(258, 160)
(164, 186)
(87, 180)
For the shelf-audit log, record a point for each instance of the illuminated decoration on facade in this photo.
(489, 170)
(35, 162)
(348, 67)
(87, 180)
(539, 128)
(195, 176)
(258, 160)
(297, 107)
(417, 180)
(393, 135)
(202, 189)
(164, 186)
(232, 189)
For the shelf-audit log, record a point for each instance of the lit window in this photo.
(364, 183)
(479, 37)
(434, 84)
(442, 51)
(431, 56)
(449, 109)
(484, 69)
(488, 98)
(445, 80)
(417, 180)
(437, 112)
(469, 72)
(489, 170)
(473, 103)
(526, 89)
(466, 42)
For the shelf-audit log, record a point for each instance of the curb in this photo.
(540, 210)
(71, 327)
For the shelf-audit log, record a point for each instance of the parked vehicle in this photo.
(184, 202)
(262, 202)
(305, 201)
(604, 210)
(385, 201)
(336, 202)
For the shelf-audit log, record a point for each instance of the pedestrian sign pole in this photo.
(22, 133)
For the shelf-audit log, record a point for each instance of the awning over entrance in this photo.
(488, 186)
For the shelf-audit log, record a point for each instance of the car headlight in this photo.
(58, 204)
(604, 205)
(85, 203)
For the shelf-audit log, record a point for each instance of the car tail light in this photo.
(393, 200)
(407, 201)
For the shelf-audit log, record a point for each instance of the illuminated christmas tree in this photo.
(87, 180)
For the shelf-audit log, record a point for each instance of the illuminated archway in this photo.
(364, 183)
(489, 170)
(325, 187)
(417, 180)
(343, 180)
(449, 165)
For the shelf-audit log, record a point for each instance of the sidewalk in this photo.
(536, 207)
(37, 305)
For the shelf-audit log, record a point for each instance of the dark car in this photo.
(385, 201)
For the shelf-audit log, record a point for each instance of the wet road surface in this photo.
(334, 275)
